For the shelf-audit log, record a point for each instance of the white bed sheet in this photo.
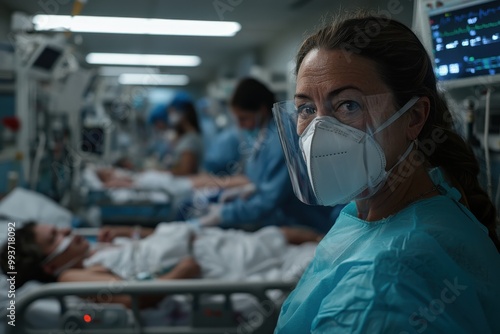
(222, 254)
(148, 180)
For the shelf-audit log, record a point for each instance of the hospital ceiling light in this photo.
(115, 71)
(131, 25)
(142, 59)
(153, 79)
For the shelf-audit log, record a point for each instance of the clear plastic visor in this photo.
(340, 139)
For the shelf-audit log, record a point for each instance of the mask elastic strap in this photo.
(403, 157)
(63, 245)
(397, 114)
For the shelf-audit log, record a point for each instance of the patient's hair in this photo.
(28, 257)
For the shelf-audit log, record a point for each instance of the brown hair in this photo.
(28, 257)
(188, 111)
(251, 94)
(406, 68)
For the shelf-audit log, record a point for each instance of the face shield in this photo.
(333, 157)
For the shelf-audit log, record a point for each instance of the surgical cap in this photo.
(180, 101)
(159, 113)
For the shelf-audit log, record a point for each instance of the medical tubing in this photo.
(497, 202)
(37, 160)
(487, 111)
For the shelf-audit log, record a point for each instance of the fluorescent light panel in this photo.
(142, 59)
(130, 25)
(114, 71)
(154, 79)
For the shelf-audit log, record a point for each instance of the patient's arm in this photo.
(104, 174)
(187, 165)
(299, 235)
(110, 178)
(108, 233)
(120, 182)
(208, 181)
(186, 268)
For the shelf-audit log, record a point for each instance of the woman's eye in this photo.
(306, 110)
(348, 106)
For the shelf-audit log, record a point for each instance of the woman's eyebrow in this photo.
(331, 94)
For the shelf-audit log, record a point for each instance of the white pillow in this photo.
(22, 204)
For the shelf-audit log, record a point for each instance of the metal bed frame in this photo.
(202, 320)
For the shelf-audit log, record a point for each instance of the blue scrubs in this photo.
(430, 268)
(222, 154)
(274, 202)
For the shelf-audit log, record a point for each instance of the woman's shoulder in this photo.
(444, 210)
(443, 228)
(413, 256)
(387, 278)
(444, 214)
(397, 291)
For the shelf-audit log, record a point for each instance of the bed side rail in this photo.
(263, 322)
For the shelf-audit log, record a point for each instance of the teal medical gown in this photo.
(431, 268)
(274, 202)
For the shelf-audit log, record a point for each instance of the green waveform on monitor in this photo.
(468, 29)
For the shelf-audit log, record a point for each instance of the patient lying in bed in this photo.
(171, 251)
(112, 178)
(152, 179)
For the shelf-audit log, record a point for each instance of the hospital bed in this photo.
(206, 315)
(54, 308)
(153, 200)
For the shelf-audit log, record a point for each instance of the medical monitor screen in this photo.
(47, 58)
(93, 140)
(466, 40)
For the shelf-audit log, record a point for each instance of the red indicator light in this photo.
(87, 318)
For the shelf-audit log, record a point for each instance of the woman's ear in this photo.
(418, 116)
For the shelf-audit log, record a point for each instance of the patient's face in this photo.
(48, 238)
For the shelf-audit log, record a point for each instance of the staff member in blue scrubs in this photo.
(271, 200)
